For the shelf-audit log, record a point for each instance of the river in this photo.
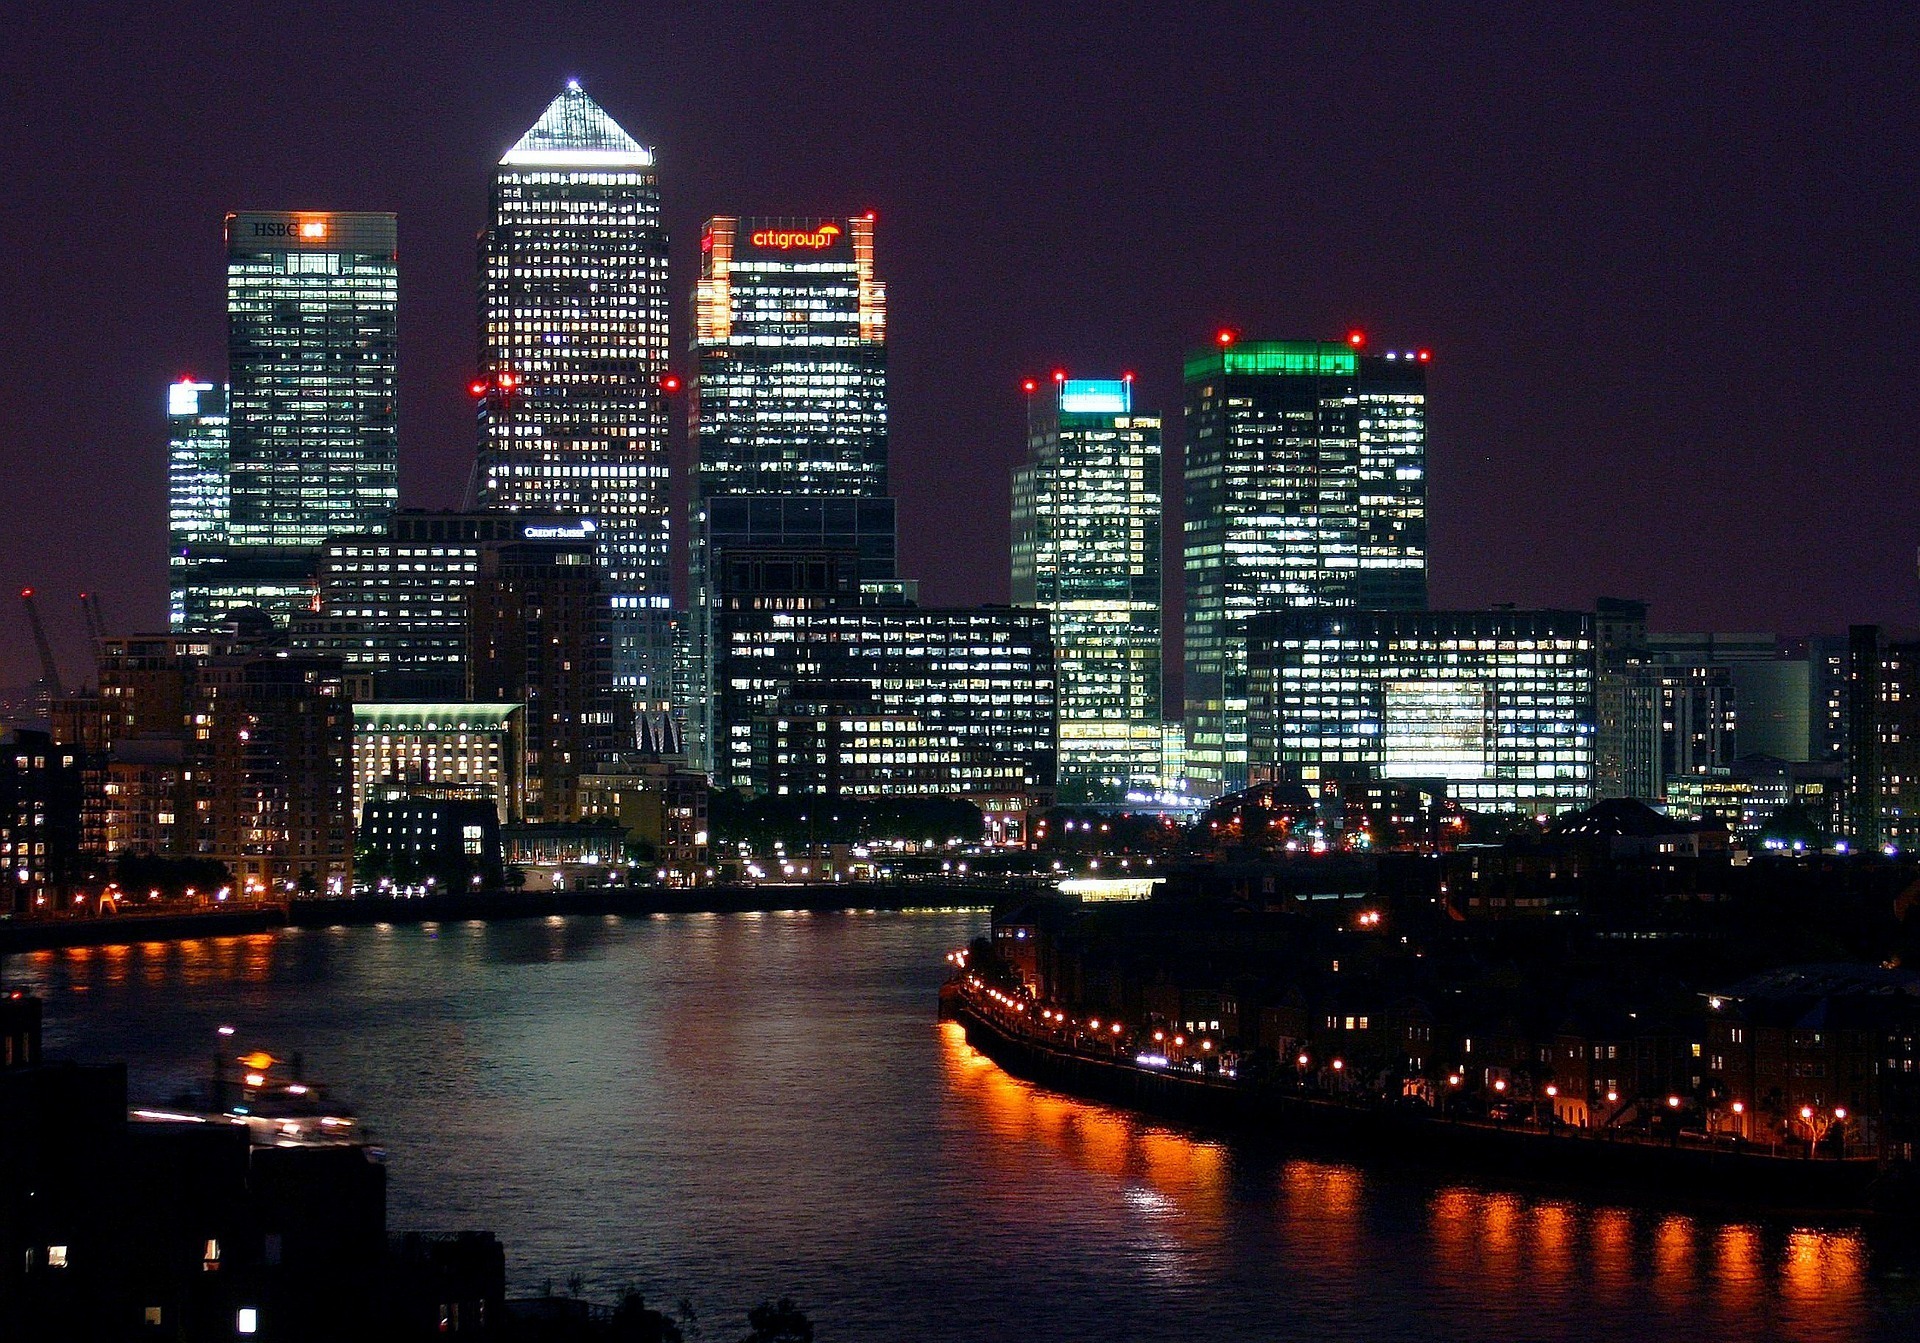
(728, 1108)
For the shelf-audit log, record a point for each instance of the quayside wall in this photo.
(1594, 1162)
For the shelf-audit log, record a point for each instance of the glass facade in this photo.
(977, 678)
(1497, 707)
(573, 353)
(196, 481)
(788, 415)
(790, 338)
(1086, 550)
(1305, 487)
(393, 603)
(312, 302)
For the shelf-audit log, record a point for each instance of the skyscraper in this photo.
(789, 409)
(790, 336)
(1305, 487)
(196, 479)
(573, 353)
(1086, 549)
(312, 300)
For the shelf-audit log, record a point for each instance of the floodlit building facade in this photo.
(573, 357)
(1086, 550)
(1305, 487)
(453, 751)
(1497, 706)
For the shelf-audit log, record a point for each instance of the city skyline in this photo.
(1554, 405)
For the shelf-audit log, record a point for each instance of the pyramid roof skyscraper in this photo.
(575, 131)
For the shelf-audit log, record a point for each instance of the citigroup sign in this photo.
(787, 239)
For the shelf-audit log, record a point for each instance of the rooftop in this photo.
(576, 132)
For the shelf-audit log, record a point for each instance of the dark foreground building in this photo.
(183, 1230)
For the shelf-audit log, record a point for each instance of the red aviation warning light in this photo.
(477, 388)
(1426, 356)
(1225, 336)
(1356, 338)
(1059, 375)
(1127, 376)
(1029, 385)
(670, 383)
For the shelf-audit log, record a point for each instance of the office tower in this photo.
(1626, 701)
(1881, 799)
(1392, 394)
(1086, 550)
(312, 300)
(788, 413)
(539, 636)
(310, 447)
(273, 733)
(1305, 487)
(980, 677)
(196, 479)
(1497, 706)
(790, 341)
(573, 357)
(392, 603)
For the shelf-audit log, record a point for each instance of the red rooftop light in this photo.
(670, 383)
(1356, 338)
(1225, 336)
(1059, 375)
(1425, 355)
(1126, 377)
(478, 387)
(1029, 385)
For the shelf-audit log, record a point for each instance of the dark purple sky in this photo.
(1667, 264)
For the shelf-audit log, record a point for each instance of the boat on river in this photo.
(271, 1097)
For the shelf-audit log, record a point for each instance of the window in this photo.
(247, 1322)
(210, 1258)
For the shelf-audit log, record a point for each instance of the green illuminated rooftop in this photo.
(1274, 356)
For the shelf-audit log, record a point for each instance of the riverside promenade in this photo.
(1409, 1134)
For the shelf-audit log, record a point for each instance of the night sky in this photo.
(1666, 264)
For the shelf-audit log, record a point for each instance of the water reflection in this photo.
(732, 1107)
(1491, 1261)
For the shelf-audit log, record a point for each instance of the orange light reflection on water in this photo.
(1498, 1252)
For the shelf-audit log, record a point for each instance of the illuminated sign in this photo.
(787, 239)
(1095, 396)
(580, 531)
(311, 230)
(183, 397)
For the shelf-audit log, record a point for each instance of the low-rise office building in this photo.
(1497, 705)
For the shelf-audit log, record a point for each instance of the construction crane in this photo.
(96, 627)
(90, 612)
(49, 673)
